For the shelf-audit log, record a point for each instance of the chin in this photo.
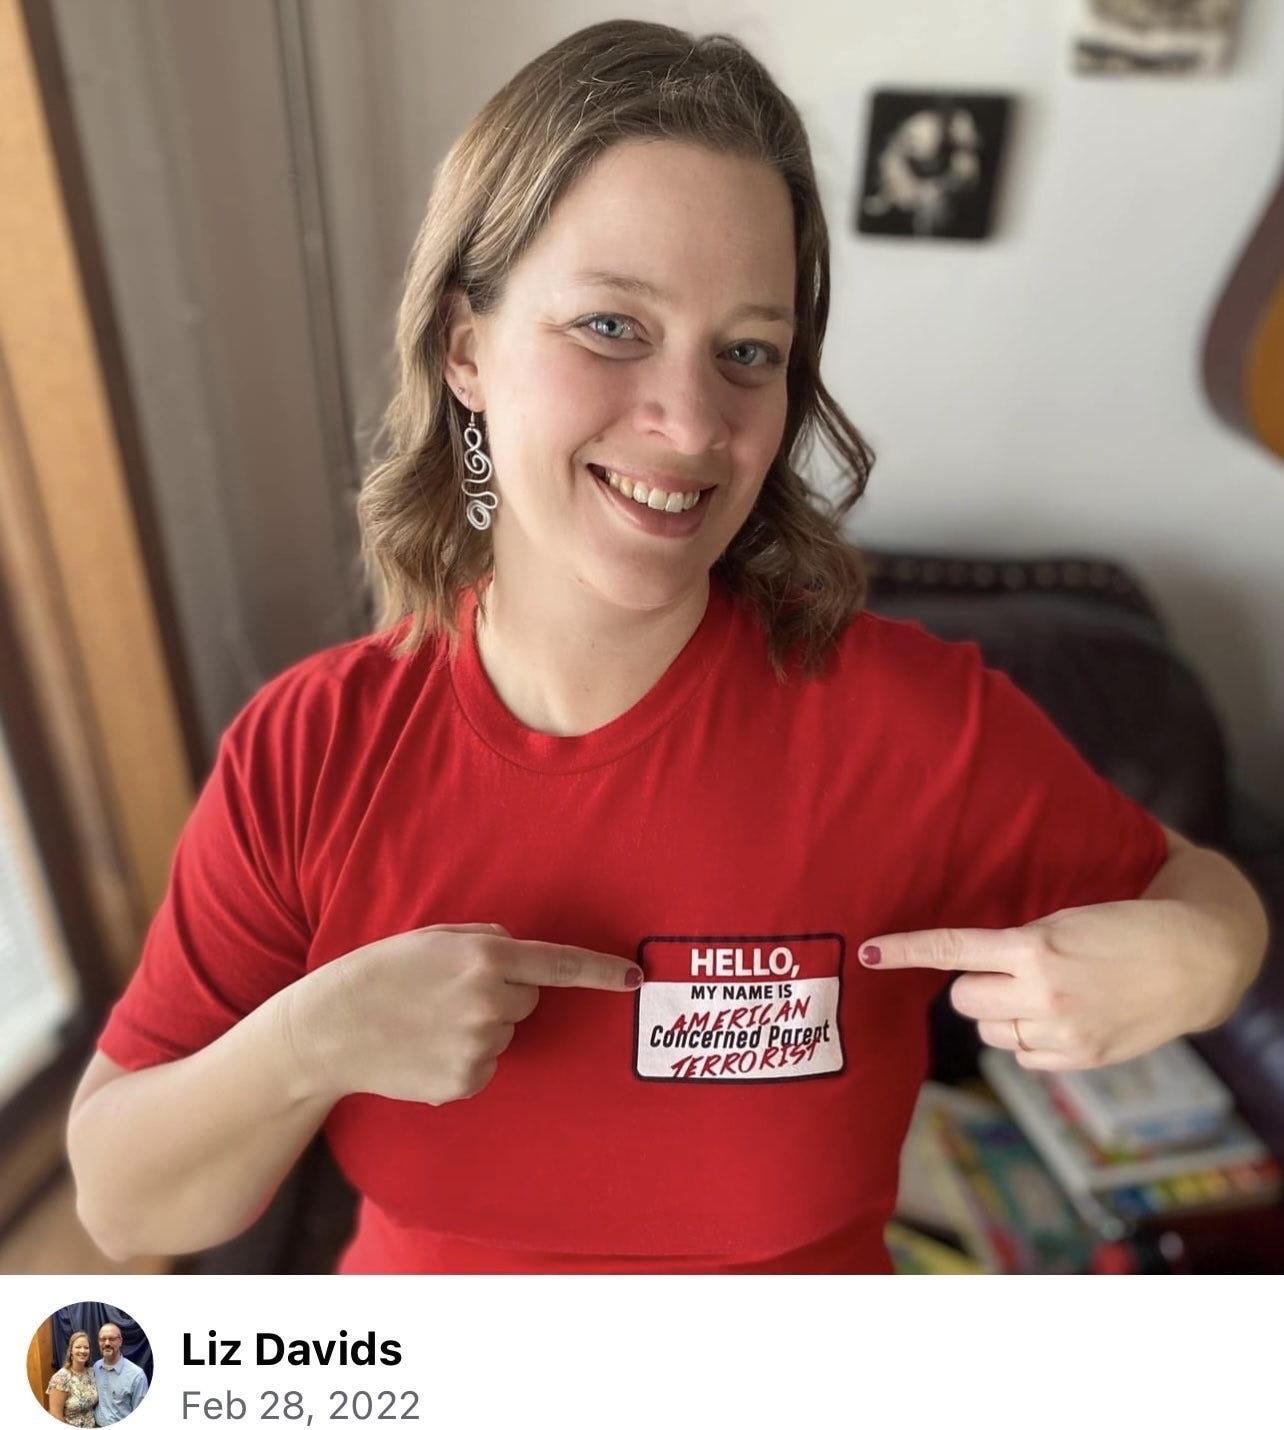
(638, 586)
(633, 580)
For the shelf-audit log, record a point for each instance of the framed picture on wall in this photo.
(932, 164)
(1156, 37)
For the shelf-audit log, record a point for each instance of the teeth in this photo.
(652, 497)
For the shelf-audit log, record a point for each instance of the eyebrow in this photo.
(640, 287)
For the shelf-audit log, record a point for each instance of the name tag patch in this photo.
(748, 1009)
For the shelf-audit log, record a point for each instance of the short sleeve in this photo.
(61, 1381)
(1037, 828)
(230, 931)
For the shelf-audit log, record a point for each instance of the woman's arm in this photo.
(179, 1157)
(58, 1404)
(1103, 983)
(1227, 924)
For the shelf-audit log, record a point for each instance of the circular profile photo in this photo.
(89, 1364)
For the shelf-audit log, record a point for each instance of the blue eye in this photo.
(763, 355)
(604, 318)
(770, 357)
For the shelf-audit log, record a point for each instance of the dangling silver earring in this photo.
(481, 499)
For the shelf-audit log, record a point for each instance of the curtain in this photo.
(92, 1316)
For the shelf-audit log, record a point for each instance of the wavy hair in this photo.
(610, 83)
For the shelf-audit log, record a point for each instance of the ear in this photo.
(462, 370)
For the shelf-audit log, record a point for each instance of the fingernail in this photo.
(633, 978)
(871, 954)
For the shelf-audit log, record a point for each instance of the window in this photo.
(39, 991)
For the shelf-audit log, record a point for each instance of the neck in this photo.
(564, 661)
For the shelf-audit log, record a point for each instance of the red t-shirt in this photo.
(740, 837)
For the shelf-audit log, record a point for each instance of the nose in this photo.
(681, 401)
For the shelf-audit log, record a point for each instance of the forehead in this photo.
(689, 221)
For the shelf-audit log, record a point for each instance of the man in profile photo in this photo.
(121, 1384)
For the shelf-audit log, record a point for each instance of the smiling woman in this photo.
(643, 290)
(72, 1393)
(683, 396)
(545, 898)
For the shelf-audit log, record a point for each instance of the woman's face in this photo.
(670, 373)
(80, 1351)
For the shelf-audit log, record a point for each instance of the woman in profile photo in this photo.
(73, 1393)
(594, 903)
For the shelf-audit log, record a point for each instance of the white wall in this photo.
(1037, 393)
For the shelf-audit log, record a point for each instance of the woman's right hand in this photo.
(423, 1016)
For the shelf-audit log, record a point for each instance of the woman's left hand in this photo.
(1083, 987)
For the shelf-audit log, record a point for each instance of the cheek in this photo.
(565, 381)
(559, 400)
(590, 392)
(769, 427)
(760, 427)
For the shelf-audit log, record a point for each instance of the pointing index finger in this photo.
(950, 950)
(560, 965)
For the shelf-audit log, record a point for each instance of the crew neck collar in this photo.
(495, 724)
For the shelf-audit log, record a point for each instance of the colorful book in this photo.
(1012, 1215)
(1169, 1097)
(1230, 1189)
(923, 1196)
(914, 1253)
(1081, 1165)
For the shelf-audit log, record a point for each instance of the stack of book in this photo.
(976, 1197)
(1152, 1138)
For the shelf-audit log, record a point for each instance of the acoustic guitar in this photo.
(1244, 346)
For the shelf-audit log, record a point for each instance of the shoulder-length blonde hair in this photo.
(612, 82)
(71, 1341)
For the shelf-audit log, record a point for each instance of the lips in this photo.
(661, 492)
(655, 521)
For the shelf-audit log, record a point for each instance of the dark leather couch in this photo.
(1083, 640)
